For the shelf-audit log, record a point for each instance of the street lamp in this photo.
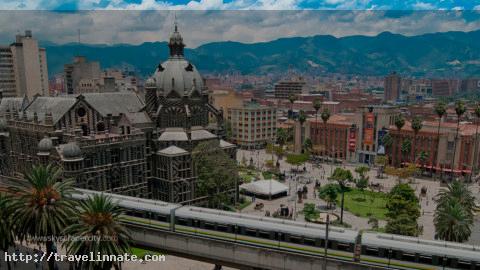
(326, 242)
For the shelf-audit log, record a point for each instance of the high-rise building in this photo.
(392, 86)
(252, 125)
(285, 89)
(81, 74)
(23, 68)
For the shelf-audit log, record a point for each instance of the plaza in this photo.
(321, 172)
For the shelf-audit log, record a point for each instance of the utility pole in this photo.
(326, 242)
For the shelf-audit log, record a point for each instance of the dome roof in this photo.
(45, 145)
(179, 75)
(71, 150)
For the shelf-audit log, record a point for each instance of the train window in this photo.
(425, 259)
(250, 232)
(263, 234)
(209, 226)
(343, 246)
(408, 257)
(309, 242)
(371, 251)
(222, 228)
(464, 265)
(295, 239)
(161, 218)
(182, 221)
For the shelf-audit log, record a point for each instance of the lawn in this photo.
(365, 204)
(140, 252)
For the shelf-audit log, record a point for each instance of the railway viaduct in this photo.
(233, 254)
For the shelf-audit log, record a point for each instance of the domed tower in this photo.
(182, 94)
(72, 161)
(45, 147)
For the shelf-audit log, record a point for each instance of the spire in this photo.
(176, 42)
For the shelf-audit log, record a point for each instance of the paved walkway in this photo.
(322, 172)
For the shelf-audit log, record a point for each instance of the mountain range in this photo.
(435, 54)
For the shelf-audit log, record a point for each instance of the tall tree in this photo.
(7, 236)
(43, 206)
(403, 211)
(217, 174)
(452, 221)
(302, 117)
(440, 110)
(423, 158)
(342, 177)
(292, 98)
(460, 109)
(406, 148)
(475, 151)
(325, 116)
(97, 229)
(416, 127)
(399, 123)
(317, 104)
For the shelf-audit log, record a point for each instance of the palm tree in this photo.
(452, 222)
(406, 147)
(43, 206)
(7, 237)
(416, 127)
(98, 220)
(325, 116)
(423, 158)
(342, 177)
(301, 119)
(292, 99)
(317, 104)
(399, 123)
(475, 151)
(440, 110)
(457, 191)
(459, 110)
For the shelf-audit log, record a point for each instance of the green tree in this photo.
(460, 109)
(310, 212)
(217, 174)
(342, 177)
(302, 117)
(406, 147)
(329, 193)
(97, 229)
(423, 158)
(325, 116)
(475, 156)
(292, 98)
(307, 145)
(7, 236)
(399, 123)
(387, 141)
(403, 211)
(43, 206)
(382, 162)
(282, 136)
(460, 192)
(416, 127)
(440, 110)
(452, 221)
(362, 181)
(317, 105)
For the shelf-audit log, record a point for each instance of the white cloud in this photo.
(199, 27)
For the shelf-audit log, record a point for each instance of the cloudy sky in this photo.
(202, 21)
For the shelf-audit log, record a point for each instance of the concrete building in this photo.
(23, 68)
(252, 125)
(335, 139)
(81, 74)
(285, 89)
(373, 122)
(439, 159)
(392, 87)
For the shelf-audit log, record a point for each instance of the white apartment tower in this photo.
(23, 68)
